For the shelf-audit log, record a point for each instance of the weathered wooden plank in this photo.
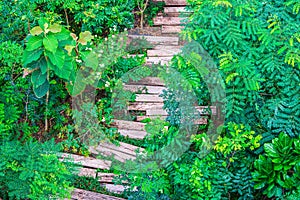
(79, 194)
(148, 98)
(133, 133)
(163, 52)
(171, 29)
(170, 21)
(122, 153)
(145, 89)
(108, 178)
(160, 47)
(105, 177)
(87, 172)
(117, 189)
(142, 106)
(87, 161)
(153, 81)
(176, 9)
(155, 40)
(156, 112)
(158, 60)
(173, 2)
(140, 118)
(129, 125)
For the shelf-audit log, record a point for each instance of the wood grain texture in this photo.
(156, 40)
(152, 81)
(79, 194)
(145, 89)
(87, 161)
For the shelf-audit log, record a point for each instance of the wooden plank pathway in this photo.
(148, 104)
(79, 194)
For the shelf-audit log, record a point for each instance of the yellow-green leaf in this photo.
(36, 30)
(69, 49)
(55, 28)
(85, 37)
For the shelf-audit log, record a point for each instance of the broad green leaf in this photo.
(66, 71)
(91, 60)
(50, 43)
(34, 42)
(30, 56)
(43, 65)
(58, 58)
(40, 64)
(55, 28)
(64, 34)
(42, 90)
(85, 37)
(37, 78)
(36, 30)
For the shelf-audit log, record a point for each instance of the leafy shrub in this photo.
(278, 171)
(256, 47)
(33, 170)
(100, 17)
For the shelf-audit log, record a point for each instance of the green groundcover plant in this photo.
(33, 170)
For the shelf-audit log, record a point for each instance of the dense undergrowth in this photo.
(46, 45)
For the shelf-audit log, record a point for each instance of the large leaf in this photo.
(34, 42)
(66, 71)
(42, 89)
(30, 56)
(57, 58)
(85, 37)
(90, 59)
(50, 43)
(64, 34)
(40, 64)
(38, 78)
(36, 30)
(55, 28)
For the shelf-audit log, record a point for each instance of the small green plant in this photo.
(142, 5)
(73, 145)
(278, 171)
(33, 170)
(240, 138)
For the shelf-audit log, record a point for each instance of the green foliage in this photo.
(50, 48)
(73, 145)
(147, 10)
(100, 17)
(152, 10)
(154, 185)
(91, 184)
(277, 171)
(240, 138)
(33, 170)
(256, 47)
